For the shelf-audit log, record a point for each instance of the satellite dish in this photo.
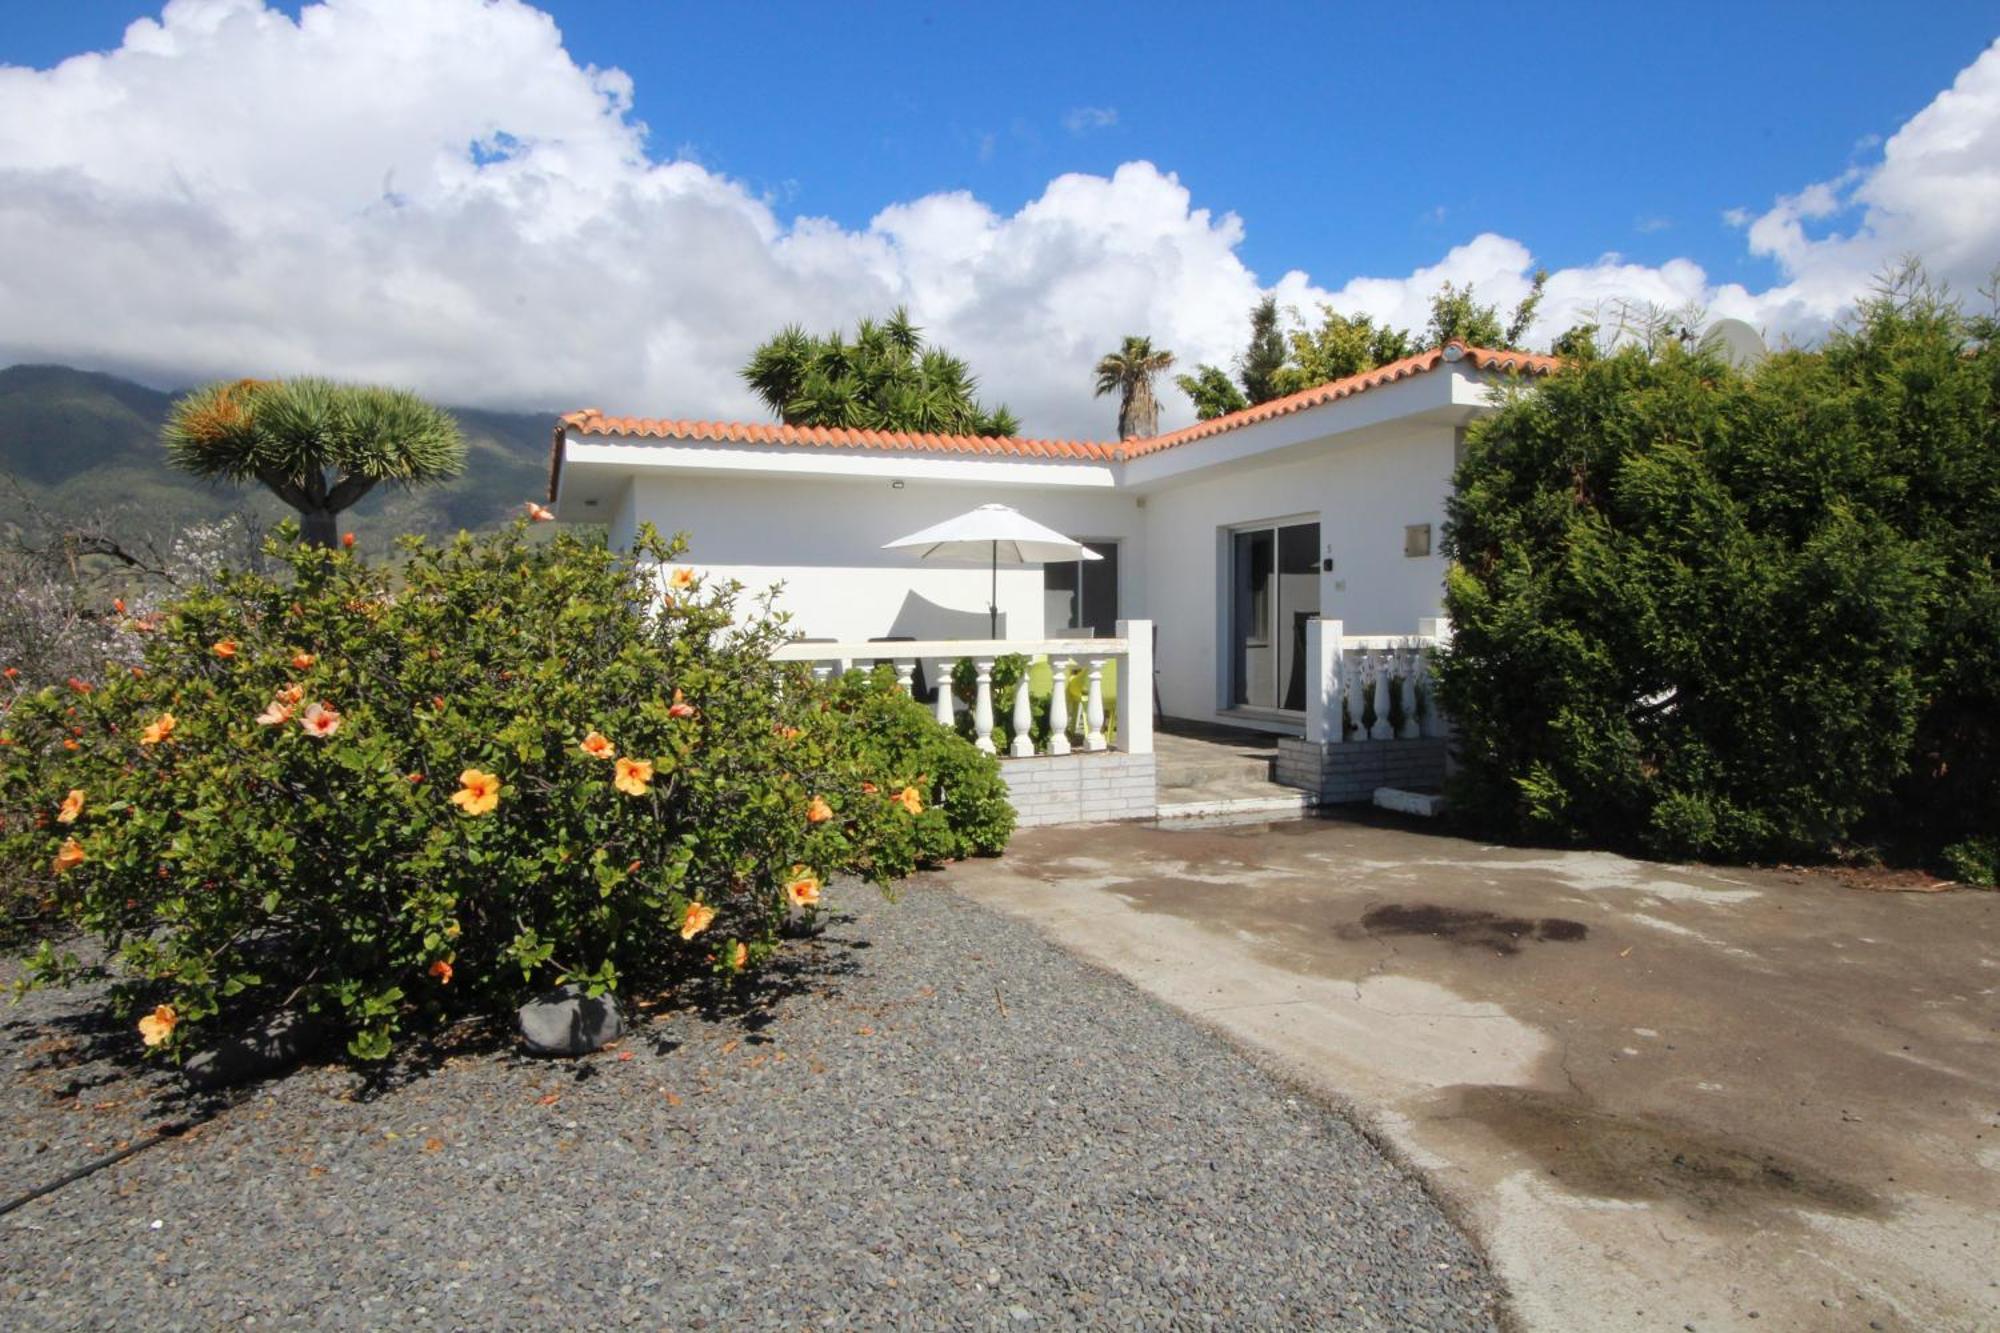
(1735, 342)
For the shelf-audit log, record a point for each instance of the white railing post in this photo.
(906, 668)
(1059, 705)
(1354, 689)
(1023, 743)
(947, 707)
(1093, 706)
(982, 706)
(1408, 657)
(1380, 730)
(1323, 681)
(1135, 688)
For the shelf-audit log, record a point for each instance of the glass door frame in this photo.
(1233, 656)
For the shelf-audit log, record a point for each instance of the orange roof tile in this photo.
(591, 421)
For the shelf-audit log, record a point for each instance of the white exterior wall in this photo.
(822, 538)
(1362, 491)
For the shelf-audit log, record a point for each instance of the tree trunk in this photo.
(317, 528)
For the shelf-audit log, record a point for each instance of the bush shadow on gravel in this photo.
(816, 963)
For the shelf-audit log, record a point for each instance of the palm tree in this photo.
(1129, 372)
(318, 445)
(885, 378)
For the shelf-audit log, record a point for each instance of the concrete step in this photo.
(1282, 803)
(1183, 772)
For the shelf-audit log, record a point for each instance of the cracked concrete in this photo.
(1725, 1099)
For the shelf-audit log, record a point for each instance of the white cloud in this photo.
(432, 192)
(1080, 119)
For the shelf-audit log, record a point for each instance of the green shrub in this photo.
(900, 746)
(1974, 861)
(391, 796)
(1706, 613)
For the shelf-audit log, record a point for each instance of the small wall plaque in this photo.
(1417, 539)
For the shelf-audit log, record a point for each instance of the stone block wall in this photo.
(1350, 771)
(1082, 788)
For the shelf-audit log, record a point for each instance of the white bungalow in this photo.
(1286, 558)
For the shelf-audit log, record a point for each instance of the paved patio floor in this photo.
(1660, 1096)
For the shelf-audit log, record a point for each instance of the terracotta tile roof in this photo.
(1512, 363)
(591, 421)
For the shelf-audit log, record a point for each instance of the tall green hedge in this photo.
(1707, 613)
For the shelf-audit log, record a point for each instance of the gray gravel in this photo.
(931, 1119)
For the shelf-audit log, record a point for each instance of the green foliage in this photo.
(316, 445)
(1974, 861)
(1722, 615)
(317, 826)
(885, 379)
(1456, 313)
(1342, 345)
(899, 746)
(1128, 372)
(1213, 392)
(1258, 370)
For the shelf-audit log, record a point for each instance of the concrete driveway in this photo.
(1660, 1096)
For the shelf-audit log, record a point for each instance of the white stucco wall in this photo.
(822, 538)
(1362, 490)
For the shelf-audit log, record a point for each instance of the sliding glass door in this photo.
(1273, 591)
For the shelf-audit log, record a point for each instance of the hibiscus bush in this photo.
(385, 794)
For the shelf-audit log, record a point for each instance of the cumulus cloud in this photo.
(434, 193)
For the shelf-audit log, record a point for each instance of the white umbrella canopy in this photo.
(997, 534)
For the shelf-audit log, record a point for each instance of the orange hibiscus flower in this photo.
(680, 580)
(818, 811)
(224, 648)
(72, 806)
(803, 887)
(910, 800)
(441, 969)
(539, 514)
(302, 660)
(276, 714)
(680, 707)
(597, 746)
(157, 1026)
(291, 694)
(69, 854)
(320, 721)
(478, 792)
(347, 540)
(740, 956)
(697, 919)
(157, 730)
(633, 776)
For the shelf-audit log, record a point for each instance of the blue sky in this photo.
(239, 188)
(1350, 138)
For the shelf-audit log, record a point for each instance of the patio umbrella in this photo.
(997, 534)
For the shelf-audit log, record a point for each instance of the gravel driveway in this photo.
(930, 1118)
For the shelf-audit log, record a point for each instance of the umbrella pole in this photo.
(993, 598)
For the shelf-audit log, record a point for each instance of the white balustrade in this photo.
(1133, 646)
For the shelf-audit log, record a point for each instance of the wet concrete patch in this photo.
(1594, 1152)
(1470, 927)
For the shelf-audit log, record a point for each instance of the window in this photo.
(1081, 596)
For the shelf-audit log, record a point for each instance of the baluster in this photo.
(1433, 719)
(1378, 663)
(1059, 707)
(1353, 686)
(1093, 705)
(982, 706)
(947, 706)
(1023, 744)
(1410, 730)
(906, 669)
